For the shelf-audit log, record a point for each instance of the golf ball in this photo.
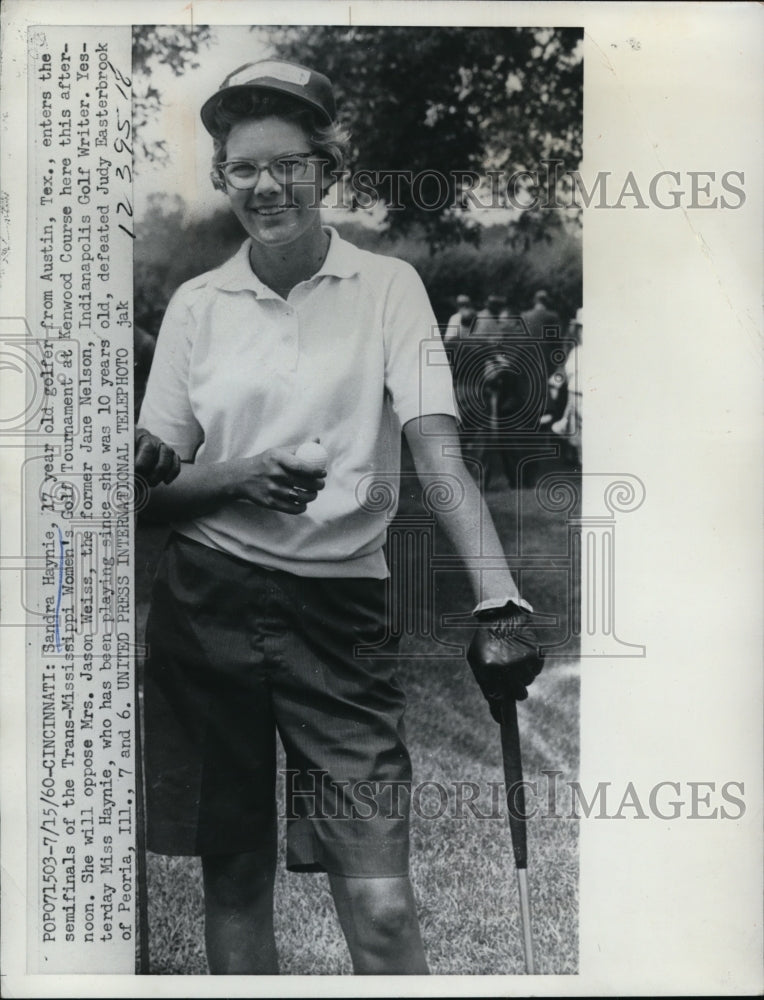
(313, 453)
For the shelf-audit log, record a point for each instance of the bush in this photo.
(496, 266)
(170, 249)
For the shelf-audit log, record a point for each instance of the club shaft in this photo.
(525, 920)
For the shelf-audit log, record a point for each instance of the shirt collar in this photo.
(236, 275)
(342, 257)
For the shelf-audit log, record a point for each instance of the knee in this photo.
(390, 917)
(383, 911)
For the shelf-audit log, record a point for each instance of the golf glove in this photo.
(504, 655)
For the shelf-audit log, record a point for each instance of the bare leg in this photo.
(379, 920)
(238, 910)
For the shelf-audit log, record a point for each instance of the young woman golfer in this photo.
(275, 571)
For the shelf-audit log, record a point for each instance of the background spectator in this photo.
(569, 424)
(544, 326)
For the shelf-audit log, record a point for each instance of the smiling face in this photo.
(274, 214)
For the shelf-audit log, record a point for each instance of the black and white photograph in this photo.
(369, 265)
(356, 621)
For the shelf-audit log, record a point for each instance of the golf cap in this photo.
(279, 77)
(463, 300)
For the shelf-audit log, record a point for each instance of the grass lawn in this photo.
(462, 867)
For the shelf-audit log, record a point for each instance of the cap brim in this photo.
(283, 89)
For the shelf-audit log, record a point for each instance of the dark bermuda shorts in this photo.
(237, 652)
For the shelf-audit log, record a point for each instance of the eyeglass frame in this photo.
(218, 171)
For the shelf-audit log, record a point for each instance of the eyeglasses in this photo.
(244, 174)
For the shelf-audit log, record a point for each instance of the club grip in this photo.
(513, 780)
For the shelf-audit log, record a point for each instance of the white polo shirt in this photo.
(351, 356)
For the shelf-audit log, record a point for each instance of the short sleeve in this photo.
(166, 409)
(417, 371)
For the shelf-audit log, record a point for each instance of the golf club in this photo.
(513, 778)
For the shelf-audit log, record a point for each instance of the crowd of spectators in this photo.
(516, 376)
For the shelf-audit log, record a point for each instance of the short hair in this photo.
(541, 296)
(330, 141)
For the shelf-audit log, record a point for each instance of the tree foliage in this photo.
(174, 46)
(450, 99)
(419, 100)
(495, 267)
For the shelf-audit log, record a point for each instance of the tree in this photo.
(174, 46)
(426, 106)
(450, 100)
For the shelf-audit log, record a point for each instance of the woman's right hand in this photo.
(277, 480)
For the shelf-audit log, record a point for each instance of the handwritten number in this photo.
(120, 76)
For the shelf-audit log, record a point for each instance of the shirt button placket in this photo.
(291, 341)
